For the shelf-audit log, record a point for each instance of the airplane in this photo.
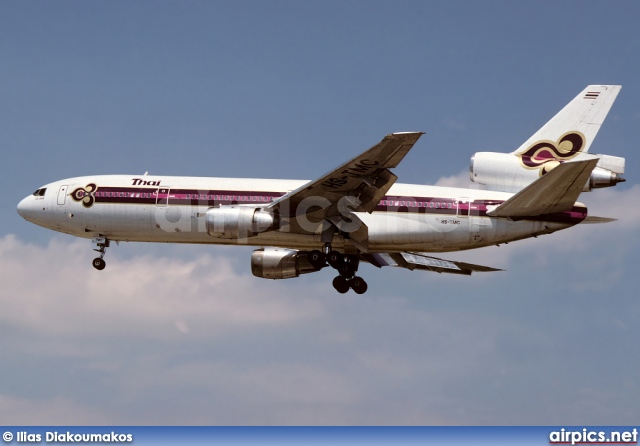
(356, 212)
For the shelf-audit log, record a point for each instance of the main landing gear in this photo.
(103, 244)
(345, 264)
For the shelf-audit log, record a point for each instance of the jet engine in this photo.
(236, 222)
(280, 263)
(504, 171)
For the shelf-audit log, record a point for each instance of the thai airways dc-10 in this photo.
(355, 213)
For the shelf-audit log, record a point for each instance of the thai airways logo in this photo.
(85, 194)
(545, 155)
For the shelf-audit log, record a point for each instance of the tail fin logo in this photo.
(545, 155)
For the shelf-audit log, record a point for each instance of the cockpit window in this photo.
(40, 192)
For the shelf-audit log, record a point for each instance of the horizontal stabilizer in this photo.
(557, 191)
(592, 219)
(415, 260)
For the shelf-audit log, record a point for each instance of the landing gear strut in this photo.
(102, 243)
(345, 264)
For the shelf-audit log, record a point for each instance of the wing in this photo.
(417, 260)
(365, 180)
(328, 203)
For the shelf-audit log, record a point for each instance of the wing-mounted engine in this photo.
(506, 171)
(280, 263)
(237, 222)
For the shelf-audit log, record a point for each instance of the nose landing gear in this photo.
(102, 243)
(345, 264)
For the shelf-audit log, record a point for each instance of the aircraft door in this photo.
(162, 196)
(462, 206)
(474, 216)
(477, 225)
(62, 194)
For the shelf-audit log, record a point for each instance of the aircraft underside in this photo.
(396, 237)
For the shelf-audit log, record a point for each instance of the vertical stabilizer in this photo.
(583, 115)
(566, 137)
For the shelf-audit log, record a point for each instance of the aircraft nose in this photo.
(26, 208)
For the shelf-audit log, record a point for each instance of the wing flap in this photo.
(557, 191)
(420, 261)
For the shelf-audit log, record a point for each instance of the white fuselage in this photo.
(172, 210)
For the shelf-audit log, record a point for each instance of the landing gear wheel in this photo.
(317, 259)
(340, 284)
(102, 243)
(347, 270)
(99, 264)
(358, 285)
(335, 259)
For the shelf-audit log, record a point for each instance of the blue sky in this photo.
(185, 334)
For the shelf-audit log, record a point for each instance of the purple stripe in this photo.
(419, 205)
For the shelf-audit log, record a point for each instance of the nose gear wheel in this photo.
(102, 243)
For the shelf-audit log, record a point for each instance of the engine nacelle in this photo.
(505, 170)
(237, 222)
(280, 263)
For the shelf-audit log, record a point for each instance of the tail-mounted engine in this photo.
(280, 263)
(506, 171)
(237, 222)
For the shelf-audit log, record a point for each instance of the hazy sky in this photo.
(288, 89)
